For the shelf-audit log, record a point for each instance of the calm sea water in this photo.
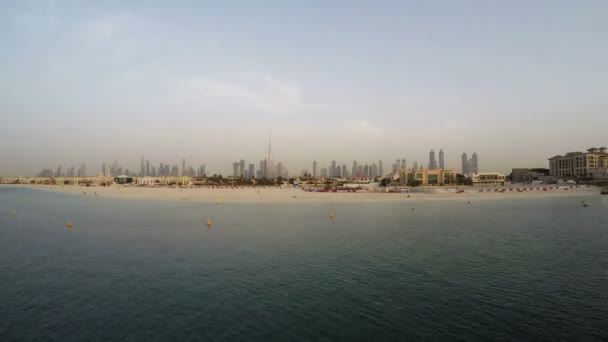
(504, 270)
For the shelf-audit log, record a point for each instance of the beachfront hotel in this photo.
(592, 164)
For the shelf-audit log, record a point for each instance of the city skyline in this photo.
(84, 83)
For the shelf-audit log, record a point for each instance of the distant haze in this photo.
(515, 81)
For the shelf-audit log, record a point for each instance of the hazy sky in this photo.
(84, 81)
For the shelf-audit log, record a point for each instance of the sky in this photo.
(97, 81)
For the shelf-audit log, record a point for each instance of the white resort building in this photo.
(488, 179)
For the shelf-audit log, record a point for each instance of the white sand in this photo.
(274, 195)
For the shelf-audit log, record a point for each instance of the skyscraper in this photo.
(235, 169)
(58, 173)
(142, 172)
(103, 169)
(184, 171)
(465, 164)
(474, 165)
(314, 169)
(354, 171)
(147, 168)
(441, 160)
(332, 169)
(242, 168)
(251, 172)
(432, 160)
(380, 169)
(415, 166)
(270, 164)
(403, 164)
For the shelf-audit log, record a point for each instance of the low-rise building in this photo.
(430, 177)
(488, 179)
(522, 175)
(578, 164)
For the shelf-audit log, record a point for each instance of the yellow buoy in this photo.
(14, 213)
(69, 224)
(218, 202)
(209, 223)
(331, 215)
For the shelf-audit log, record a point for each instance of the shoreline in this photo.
(290, 195)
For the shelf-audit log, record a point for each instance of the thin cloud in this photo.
(106, 27)
(248, 92)
(363, 128)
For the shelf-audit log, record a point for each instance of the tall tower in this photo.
(380, 169)
(184, 167)
(142, 172)
(403, 164)
(474, 166)
(465, 164)
(270, 164)
(441, 160)
(432, 160)
(314, 169)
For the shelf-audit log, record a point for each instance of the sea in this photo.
(512, 269)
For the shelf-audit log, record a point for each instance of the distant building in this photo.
(235, 169)
(242, 170)
(470, 166)
(314, 169)
(474, 164)
(251, 172)
(488, 179)
(465, 164)
(323, 173)
(441, 160)
(529, 175)
(580, 165)
(380, 169)
(432, 160)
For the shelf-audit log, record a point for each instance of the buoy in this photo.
(14, 213)
(69, 224)
(209, 223)
(218, 202)
(331, 216)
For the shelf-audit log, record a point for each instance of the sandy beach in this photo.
(290, 195)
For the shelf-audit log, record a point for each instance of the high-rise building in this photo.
(251, 172)
(397, 165)
(58, 173)
(142, 172)
(441, 160)
(474, 164)
(344, 171)
(242, 170)
(235, 169)
(147, 168)
(380, 169)
(432, 160)
(174, 171)
(332, 169)
(415, 166)
(323, 172)
(465, 164)
(184, 171)
(270, 166)
(403, 164)
(354, 170)
(153, 171)
(314, 169)
(103, 170)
